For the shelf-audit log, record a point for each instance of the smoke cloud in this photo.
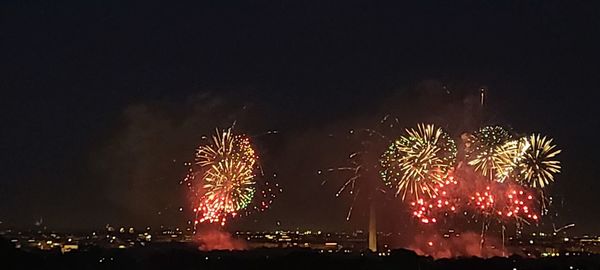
(212, 239)
(143, 162)
(466, 245)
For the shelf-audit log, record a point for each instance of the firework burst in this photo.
(508, 157)
(225, 171)
(538, 165)
(489, 151)
(418, 161)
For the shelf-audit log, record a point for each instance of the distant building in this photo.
(69, 247)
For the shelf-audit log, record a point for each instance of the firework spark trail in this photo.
(350, 183)
(361, 168)
(417, 161)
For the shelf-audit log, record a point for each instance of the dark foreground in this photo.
(187, 257)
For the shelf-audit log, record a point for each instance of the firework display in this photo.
(500, 178)
(223, 178)
(494, 179)
(418, 161)
(506, 184)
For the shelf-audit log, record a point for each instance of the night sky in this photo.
(103, 101)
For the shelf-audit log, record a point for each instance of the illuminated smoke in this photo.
(465, 245)
(218, 240)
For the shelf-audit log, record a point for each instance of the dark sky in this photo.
(103, 101)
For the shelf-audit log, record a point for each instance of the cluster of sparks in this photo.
(500, 201)
(441, 203)
(513, 202)
(224, 172)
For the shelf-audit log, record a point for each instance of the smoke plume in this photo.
(465, 245)
(212, 239)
